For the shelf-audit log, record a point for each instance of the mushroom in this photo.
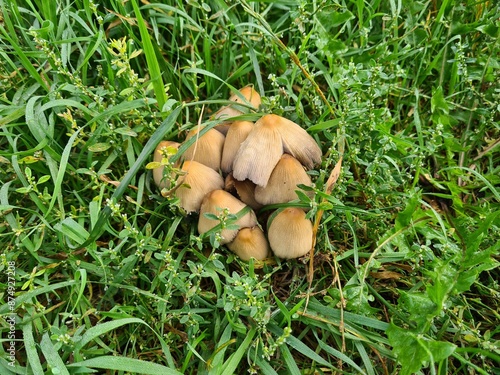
(250, 243)
(258, 154)
(207, 149)
(247, 95)
(283, 182)
(297, 142)
(245, 190)
(195, 184)
(159, 154)
(236, 134)
(271, 136)
(290, 233)
(214, 203)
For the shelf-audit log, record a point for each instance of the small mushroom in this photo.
(258, 154)
(195, 184)
(290, 233)
(250, 243)
(158, 156)
(245, 190)
(296, 141)
(214, 203)
(247, 95)
(283, 182)
(207, 149)
(236, 134)
(271, 136)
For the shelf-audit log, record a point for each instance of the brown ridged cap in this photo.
(247, 95)
(207, 150)
(250, 243)
(195, 184)
(290, 233)
(216, 201)
(245, 190)
(237, 133)
(296, 141)
(259, 154)
(283, 182)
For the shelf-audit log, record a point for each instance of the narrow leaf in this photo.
(128, 365)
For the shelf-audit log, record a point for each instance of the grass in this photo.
(117, 280)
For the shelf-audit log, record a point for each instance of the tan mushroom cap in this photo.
(296, 141)
(247, 95)
(258, 154)
(245, 190)
(158, 177)
(214, 203)
(236, 135)
(207, 150)
(250, 243)
(283, 182)
(271, 136)
(290, 233)
(195, 184)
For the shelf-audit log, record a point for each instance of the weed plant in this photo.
(101, 273)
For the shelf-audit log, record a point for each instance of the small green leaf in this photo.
(330, 19)
(126, 131)
(419, 306)
(438, 101)
(43, 179)
(404, 217)
(153, 165)
(414, 351)
(99, 147)
(357, 299)
(443, 281)
(24, 190)
(211, 216)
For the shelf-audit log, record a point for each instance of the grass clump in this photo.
(102, 272)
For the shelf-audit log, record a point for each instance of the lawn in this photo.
(103, 272)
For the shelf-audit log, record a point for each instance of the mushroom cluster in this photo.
(236, 168)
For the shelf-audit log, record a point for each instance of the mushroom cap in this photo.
(158, 177)
(218, 200)
(290, 233)
(244, 189)
(258, 154)
(236, 135)
(247, 95)
(283, 182)
(197, 182)
(207, 149)
(296, 141)
(250, 243)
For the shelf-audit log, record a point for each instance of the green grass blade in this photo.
(232, 364)
(63, 165)
(54, 360)
(72, 229)
(29, 344)
(154, 68)
(129, 365)
(291, 364)
(26, 296)
(102, 328)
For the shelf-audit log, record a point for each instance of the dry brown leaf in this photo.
(385, 275)
(334, 176)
